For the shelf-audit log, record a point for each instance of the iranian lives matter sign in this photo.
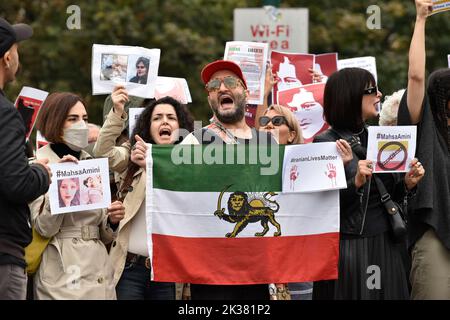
(285, 31)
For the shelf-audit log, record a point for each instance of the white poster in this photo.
(368, 63)
(176, 88)
(283, 29)
(391, 148)
(448, 58)
(313, 167)
(133, 115)
(136, 68)
(440, 6)
(252, 58)
(79, 186)
(40, 140)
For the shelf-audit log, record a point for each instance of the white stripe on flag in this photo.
(191, 214)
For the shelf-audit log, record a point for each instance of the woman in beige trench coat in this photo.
(75, 264)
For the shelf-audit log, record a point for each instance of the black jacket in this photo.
(353, 201)
(431, 207)
(20, 183)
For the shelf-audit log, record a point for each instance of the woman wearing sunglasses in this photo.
(284, 127)
(281, 123)
(370, 258)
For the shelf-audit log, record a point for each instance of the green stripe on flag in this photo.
(212, 167)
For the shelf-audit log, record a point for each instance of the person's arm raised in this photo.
(417, 59)
(105, 146)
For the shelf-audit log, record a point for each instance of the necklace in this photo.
(227, 132)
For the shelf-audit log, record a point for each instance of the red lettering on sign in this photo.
(280, 29)
(256, 30)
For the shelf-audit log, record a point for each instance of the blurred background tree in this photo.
(191, 33)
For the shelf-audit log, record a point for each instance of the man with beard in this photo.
(19, 182)
(227, 97)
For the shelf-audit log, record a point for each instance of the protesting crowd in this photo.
(397, 221)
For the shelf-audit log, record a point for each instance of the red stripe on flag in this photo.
(245, 260)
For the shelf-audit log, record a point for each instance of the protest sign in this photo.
(306, 102)
(28, 103)
(291, 70)
(40, 140)
(368, 63)
(250, 115)
(391, 148)
(176, 88)
(440, 6)
(134, 114)
(79, 186)
(251, 57)
(136, 68)
(326, 64)
(313, 167)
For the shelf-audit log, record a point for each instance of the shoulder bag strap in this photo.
(360, 152)
(385, 196)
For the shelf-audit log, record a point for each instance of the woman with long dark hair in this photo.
(370, 258)
(159, 123)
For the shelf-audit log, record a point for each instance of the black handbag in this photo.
(397, 215)
(395, 212)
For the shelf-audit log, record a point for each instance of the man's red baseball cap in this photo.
(219, 65)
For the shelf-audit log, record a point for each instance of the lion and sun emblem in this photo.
(243, 211)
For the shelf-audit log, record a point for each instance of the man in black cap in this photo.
(20, 183)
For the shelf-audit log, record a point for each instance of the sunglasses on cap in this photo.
(371, 90)
(276, 121)
(229, 82)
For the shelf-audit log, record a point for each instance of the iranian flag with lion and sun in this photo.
(217, 223)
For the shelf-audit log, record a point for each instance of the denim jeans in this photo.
(135, 284)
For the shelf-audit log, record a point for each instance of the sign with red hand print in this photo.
(304, 164)
(293, 176)
(331, 173)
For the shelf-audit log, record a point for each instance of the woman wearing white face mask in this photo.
(75, 264)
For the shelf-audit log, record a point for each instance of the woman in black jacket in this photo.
(370, 261)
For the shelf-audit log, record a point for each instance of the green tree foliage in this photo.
(191, 33)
